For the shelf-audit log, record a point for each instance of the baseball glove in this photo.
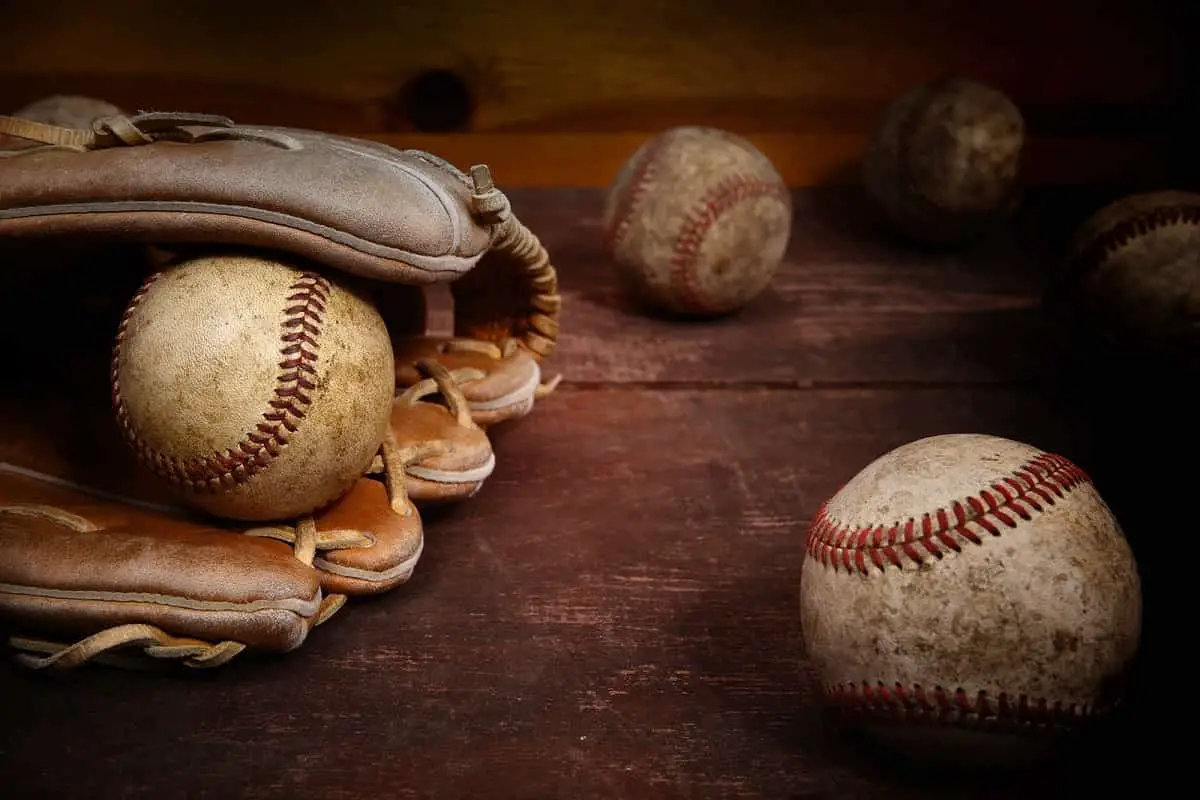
(137, 536)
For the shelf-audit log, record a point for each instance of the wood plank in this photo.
(810, 149)
(613, 616)
(592, 160)
(530, 61)
(849, 305)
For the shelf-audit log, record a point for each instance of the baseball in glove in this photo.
(224, 405)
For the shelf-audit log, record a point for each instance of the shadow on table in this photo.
(768, 652)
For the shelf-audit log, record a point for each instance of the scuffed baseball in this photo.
(965, 595)
(257, 389)
(1131, 279)
(944, 162)
(697, 222)
(68, 110)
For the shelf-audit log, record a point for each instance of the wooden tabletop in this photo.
(615, 614)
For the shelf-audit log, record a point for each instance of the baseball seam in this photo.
(303, 318)
(640, 178)
(939, 705)
(1103, 246)
(1039, 483)
(718, 200)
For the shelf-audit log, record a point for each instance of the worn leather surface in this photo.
(395, 541)
(499, 384)
(95, 547)
(178, 572)
(352, 204)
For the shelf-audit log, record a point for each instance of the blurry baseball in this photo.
(964, 592)
(65, 110)
(944, 162)
(68, 110)
(697, 222)
(258, 389)
(1132, 277)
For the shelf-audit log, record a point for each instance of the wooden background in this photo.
(559, 94)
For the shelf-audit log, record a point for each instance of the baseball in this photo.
(68, 110)
(697, 222)
(1132, 276)
(969, 596)
(256, 388)
(944, 162)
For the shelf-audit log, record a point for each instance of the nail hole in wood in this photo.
(437, 101)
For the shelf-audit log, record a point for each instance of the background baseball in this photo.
(967, 586)
(1132, 277)
(68, 110)
(697, 222)
(259, 389)
(943, 164)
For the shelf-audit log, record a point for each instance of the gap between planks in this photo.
(789, 386)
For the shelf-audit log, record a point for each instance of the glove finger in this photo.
(500, 383)
(443, 453)
(366, 543)
(66, 570)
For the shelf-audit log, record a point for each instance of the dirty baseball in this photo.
(969, 585)
(697, 222)
(257, 389)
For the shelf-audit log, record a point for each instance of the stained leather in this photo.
(359, 206)
(146, 565)
(454, 460)
(396, 542)
(508, 381)
(82, 222)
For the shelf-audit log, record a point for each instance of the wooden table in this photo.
(615, 615)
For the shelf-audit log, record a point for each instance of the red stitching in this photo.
(722, 197)
(1038, 484)
(641, 174)
(303, 318)
(958, 706)
(1103, 246)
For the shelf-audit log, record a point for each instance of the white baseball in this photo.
(963, 591)
(258, 389)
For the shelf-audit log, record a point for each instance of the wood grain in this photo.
(592, 160)
(542, 61)
(612, 617)
(849, 304)
(558, 95)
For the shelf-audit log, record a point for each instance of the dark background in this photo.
(558, 94)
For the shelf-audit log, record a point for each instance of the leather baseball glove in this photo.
(139, 544)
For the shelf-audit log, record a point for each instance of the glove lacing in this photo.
(513, 240)
(101, 646)
(306, 539)
(520, 246)
(138, 129)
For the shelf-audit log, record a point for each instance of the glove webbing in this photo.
(518, 244)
